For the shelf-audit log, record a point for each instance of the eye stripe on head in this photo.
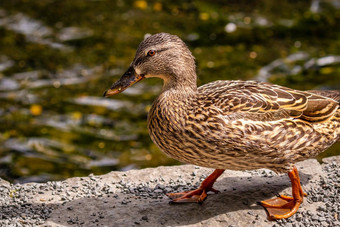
(147, 54)
(152, 52)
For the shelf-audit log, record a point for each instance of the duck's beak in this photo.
(129, 78)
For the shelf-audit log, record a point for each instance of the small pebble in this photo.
(145, 218)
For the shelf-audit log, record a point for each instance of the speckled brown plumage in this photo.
(239, 125)
(244, 125)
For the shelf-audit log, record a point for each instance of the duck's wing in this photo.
(333, 94)
(266, 102)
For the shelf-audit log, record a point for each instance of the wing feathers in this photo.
(265, 101)
(320, 109)
(333, 94)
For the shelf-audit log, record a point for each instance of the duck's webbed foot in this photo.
(285, 206)
(194, 196)
(200, 194)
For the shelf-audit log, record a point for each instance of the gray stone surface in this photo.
(137, 198)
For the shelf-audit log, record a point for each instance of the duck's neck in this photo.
(182, 86)
(178, 99)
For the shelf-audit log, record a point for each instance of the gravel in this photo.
(326, 190)
(115, 198)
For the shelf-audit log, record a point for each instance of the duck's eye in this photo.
(151, 52)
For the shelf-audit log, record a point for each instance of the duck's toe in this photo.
(194, 196)
(281, 207)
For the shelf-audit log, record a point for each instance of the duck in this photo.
(231, 124)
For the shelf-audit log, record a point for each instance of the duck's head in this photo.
(164, 56)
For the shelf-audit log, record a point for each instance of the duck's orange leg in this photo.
(285, 206)
(200, 194)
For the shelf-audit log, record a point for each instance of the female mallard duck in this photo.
(238, 125)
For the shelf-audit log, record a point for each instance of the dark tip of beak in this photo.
(104, 95)
(129, 78)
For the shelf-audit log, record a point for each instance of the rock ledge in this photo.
(137, 198)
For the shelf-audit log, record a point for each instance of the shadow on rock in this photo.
(127, 208)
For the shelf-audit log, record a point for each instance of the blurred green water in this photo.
(57, 58)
